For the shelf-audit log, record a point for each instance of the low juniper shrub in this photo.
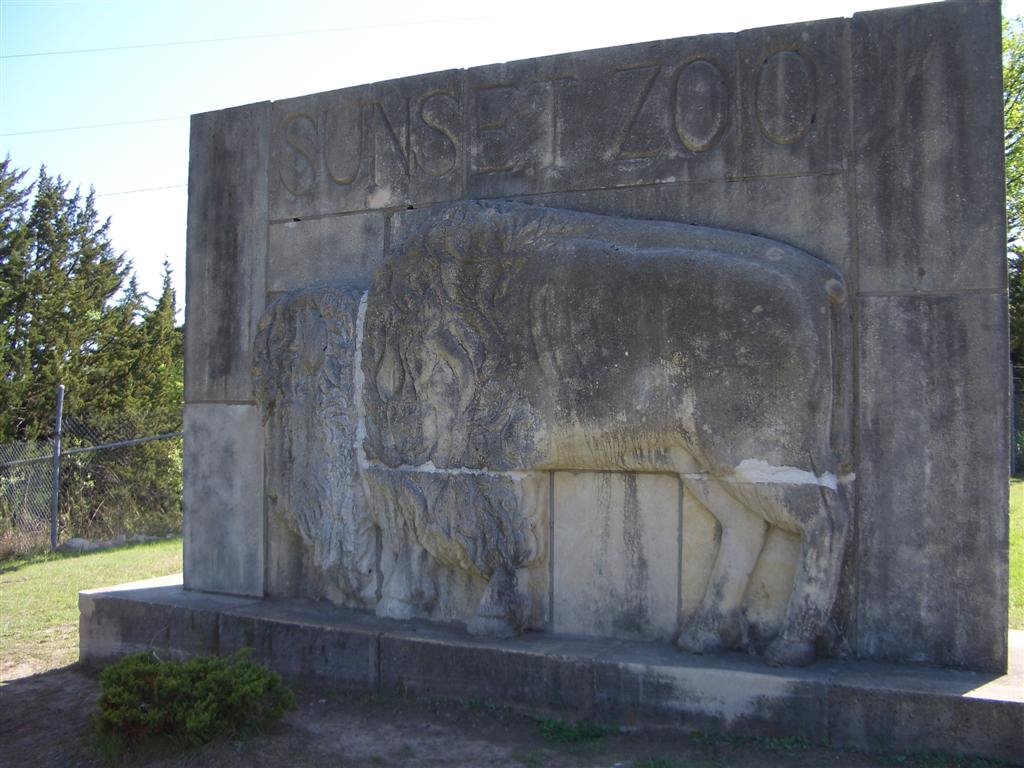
(145, 700)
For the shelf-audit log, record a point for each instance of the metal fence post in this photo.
(55, 480)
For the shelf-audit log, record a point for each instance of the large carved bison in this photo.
(504, 339)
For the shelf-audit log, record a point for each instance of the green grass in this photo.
(39, 598)
(565, 732)
(1017, 554)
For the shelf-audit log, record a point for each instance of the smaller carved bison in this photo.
(504, 340)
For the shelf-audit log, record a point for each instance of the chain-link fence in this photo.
(111, 482)
(1017, 423)
(26, 490)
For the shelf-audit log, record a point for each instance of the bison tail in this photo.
(841, 351)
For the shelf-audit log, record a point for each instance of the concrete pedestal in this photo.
(862, 705)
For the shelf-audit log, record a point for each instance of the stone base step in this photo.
(859, 705)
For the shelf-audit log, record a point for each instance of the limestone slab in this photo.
(298, 649)
(932, 480)
(225, 250)
(289, 568)
(438, 663)
(873, 144)
(860, 705)
(223, 499)
(638, 114)
(771, 582)
(701, 538)
(334, 249)
(809, 212)
(150, 615)
(386, 145)
(927, 127)
(616, 554)
(795, 93)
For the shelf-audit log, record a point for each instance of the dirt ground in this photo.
(45, 721)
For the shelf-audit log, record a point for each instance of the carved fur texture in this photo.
(501, 341)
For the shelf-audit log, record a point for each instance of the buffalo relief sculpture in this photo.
(503, 341)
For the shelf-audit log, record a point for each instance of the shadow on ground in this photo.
(45, 721)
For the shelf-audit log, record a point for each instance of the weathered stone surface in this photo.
(764, 601)
(794, 99)
(336, 248)
(872, 144)
(149, 615)
(921, 721)
(928, 147)
(931, 552)
(702, 537)
(409, 543)
(435, 524)
(639, 114)
(387, 145)
(645, 685)
(807, 212)
(502, 338)
(226, 249)
(659, 112)
(852, 704)
(223, 499)
(305, 367)
(290, 571)
(438, 663)
(616, 555)
(300, 648)
(423, 413)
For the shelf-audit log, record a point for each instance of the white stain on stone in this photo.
(380, 198)
(726, 694)
(760, 471)
(430, 469)
(357, 383)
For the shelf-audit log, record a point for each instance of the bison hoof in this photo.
(789, 653)
(490, 626)
(699, 640)
(396, 608)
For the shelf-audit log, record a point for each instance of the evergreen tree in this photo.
(69, 303)
(14, 258)
(159, 369)
(71, 313)
(1013, 120)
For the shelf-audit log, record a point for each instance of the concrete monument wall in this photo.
(868, 150)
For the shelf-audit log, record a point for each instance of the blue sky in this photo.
(166, 60)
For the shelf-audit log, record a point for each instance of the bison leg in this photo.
(716, 622)
(823, 537)
(404, 592)
(499, 609)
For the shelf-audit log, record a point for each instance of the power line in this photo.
(205, 40)
(143, 189)
(96, 125)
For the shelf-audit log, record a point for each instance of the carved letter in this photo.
(554, 85)
(700, 104)
(620, 152)
(333, 131)
(400, 144)
(496, 125)
(446, 143)
(786, 94)
(299, 177)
